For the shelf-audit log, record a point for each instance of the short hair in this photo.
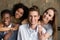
(5, 11)
(35, 8)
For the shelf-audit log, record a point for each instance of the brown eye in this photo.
(50, 15)
(21, 13)
(46, 12)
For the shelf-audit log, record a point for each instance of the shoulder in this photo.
(49, 26)
(24, 26)
(25, 21)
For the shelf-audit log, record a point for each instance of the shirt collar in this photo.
(10, 25)
(36, 30)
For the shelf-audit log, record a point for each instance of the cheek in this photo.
(8, 19)
(3, 19)
(29, 18)
(44, 14)
(21, 15)
(49, 18)
(36, 18)
(16, 12)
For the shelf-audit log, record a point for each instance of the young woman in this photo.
(48, 21)
(20, 12)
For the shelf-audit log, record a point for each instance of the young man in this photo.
(6, 26)
(6, 23)
(30, 31)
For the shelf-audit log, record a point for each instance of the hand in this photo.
(42, 37)
(13, 29)
(7, 29)
(39, 28)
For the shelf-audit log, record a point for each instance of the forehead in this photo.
(6, 15)
(20, 9)
(33, 13)
(51, 12)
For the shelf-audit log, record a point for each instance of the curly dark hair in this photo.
(20, 5)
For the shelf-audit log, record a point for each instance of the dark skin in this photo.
(8, 30)
(4, 26)
(6, 37)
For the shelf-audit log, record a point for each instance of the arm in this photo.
(48, 33)
(4, 29)
(15, 27)
(44, 36)
(41, 32)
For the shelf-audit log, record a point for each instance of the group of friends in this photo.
(23, 23)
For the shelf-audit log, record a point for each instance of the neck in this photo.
(43, 23)
(7, 25)
(33, 26)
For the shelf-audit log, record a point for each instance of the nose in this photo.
(46, 15)
(32, 18)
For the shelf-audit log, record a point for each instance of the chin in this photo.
(17, 17)
(44, 20)
(32, 23)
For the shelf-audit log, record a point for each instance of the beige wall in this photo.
(42, 4)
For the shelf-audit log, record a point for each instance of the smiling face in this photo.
(33, 17)
(19, 13)
(48, 16)
(6, 19)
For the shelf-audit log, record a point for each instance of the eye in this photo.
(49, 15)
(21, 13)
(46, 12)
